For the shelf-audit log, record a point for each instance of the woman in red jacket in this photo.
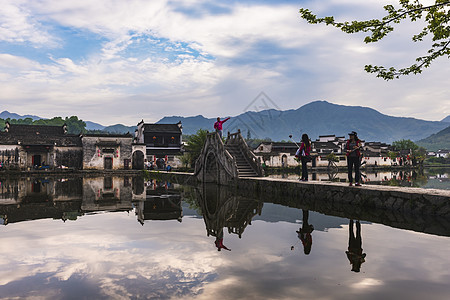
(218, 125)
(303, 154)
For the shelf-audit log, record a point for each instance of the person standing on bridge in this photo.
(304, 154)
(353, 157)
(218, 125)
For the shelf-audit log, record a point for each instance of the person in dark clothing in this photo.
(353, 147)
(304, 233)
(303, 153)
(355, 252)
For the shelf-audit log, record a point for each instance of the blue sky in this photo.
(123, 61)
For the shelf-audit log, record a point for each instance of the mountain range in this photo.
(315, 118)
(319, 118)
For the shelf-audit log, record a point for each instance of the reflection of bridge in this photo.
(224, 162)
(222, 208)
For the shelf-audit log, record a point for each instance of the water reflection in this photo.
(110, 255)
(304, 233)
(425, 178)
(222, 208)
(355, 252)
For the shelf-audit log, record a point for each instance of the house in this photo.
(39, 146)
(162, 142)
(277, 154)
(107, 151)
(443, 153)
(27, 147)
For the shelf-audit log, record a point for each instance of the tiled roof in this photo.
(20, 129)
(172, 128)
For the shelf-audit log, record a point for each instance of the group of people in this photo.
(352, 147)
(353, 152)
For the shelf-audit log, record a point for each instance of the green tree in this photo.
(436, 18)
(405, 145)
(195, 144)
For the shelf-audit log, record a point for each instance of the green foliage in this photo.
(195, 144)
(404, 145)
(436, 18)
(74, 125)
(440, 140)
(332, 157)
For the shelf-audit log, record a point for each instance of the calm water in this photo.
(123, 238)
(429, 178)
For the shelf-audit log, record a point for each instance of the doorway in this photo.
(108, 163)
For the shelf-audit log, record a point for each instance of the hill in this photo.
(440, 140)
(6, 114)
(119, 128)
(318, 118)
(446, 119)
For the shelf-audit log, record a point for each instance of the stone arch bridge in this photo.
(224, 163)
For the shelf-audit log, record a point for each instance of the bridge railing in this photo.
(214, 143)
(237, 139)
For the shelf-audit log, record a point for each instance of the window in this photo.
(108, 150)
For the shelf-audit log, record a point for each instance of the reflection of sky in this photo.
(112, 255)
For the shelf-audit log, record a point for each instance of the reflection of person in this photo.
(304, 233)
(355, 252)
(219, 241)
(353, 157)
(303, 153)
(218, 125)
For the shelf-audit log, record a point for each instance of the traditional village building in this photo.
(443, 153)
(107, 151)
(39, 147)
(162, 142)
(277, 154)
(27, 147)
(377, 154)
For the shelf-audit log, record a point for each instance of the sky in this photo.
(111, 61)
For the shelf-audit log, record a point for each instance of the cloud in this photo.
(185, 53)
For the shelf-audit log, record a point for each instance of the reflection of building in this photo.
(107, 193)
(40, 198)
(161, 202)
(163, 142)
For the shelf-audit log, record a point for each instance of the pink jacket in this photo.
(218, 124)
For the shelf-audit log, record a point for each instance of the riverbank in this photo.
(418, 201)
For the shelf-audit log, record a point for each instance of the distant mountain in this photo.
(190, 124)
(446, 119)
(93, 126)
(6, 114)
(119, 128)
(440, 140)
(318, 118)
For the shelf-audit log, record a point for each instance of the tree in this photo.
(405, 145)
(436, 17)
(195, 143)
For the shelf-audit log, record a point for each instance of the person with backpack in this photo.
(353, 147)
(304, 154)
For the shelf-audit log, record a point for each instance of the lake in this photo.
(431, 178)
(126, 238)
